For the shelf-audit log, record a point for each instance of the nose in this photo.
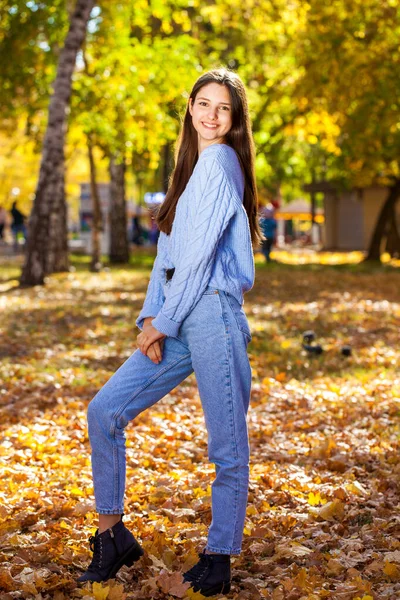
(212, 113)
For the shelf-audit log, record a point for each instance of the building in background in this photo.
(350, 216)
(294, 223)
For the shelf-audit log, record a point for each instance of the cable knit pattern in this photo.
(209, 245)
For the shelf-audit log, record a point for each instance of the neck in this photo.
(203, 145)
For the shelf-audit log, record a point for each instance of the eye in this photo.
(202, 102)
(225, 107)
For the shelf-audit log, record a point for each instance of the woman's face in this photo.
(211, 114)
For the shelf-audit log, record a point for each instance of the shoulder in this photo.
(221, 160)
(220, 156)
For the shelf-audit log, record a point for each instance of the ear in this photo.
(191, 106)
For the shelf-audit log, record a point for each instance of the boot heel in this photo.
(133, 556)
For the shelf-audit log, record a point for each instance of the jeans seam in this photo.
(223, 550)
(116, 471)
(106, 511)
(118, 413)
(233, 428)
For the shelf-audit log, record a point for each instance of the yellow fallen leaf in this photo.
(391, 570)
(77, 492)
(194, 595)
(316, 499)
(99, 592)
(356, 488)
(329, 511)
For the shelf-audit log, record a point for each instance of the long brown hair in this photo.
(239, 138)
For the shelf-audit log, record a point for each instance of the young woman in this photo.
(192, 320)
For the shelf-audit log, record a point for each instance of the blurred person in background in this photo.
(3, 222)
(17, 224)
(268, 227)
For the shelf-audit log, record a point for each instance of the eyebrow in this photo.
(202, 98)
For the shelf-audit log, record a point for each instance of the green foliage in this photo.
(30, 40)
(129, 91)
(321, 80)
(348, 52)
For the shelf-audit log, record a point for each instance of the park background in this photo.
(93, 94)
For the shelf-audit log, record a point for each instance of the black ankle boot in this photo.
(211, 575)
(111, 549)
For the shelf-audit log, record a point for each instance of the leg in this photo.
(267, 246)
(270, 244)
(218, 334)
(137, 385)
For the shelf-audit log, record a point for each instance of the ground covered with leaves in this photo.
(323, 517)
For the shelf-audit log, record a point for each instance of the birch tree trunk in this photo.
(119, 246)
(97, 223)
(47, 244)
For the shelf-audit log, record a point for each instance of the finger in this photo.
(147, 342)
(157, 350)
(151, 355)
(144, 342)
(139, 341)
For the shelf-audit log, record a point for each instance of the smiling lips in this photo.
(209, 126)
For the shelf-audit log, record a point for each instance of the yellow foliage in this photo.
(316, 499)
(100, 592)
(307, 489)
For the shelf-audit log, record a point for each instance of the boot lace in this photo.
(197, 572)
(96, 546)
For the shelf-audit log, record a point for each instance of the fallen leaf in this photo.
(100, 592)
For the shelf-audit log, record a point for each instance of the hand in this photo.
(148, 336)
(155, 351)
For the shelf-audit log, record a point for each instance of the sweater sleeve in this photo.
(155, 293)
(212, 206)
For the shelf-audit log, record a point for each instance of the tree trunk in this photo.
(47, 245)
(393, 238)
(383, 222)
(59, 224)
(119, 245)
(313, 199)
(97, 223)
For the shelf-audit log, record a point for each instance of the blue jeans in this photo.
(212, 342)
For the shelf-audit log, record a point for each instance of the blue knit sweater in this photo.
(209, 245)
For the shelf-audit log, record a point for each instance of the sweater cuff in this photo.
(150, 310)
(164, 325)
